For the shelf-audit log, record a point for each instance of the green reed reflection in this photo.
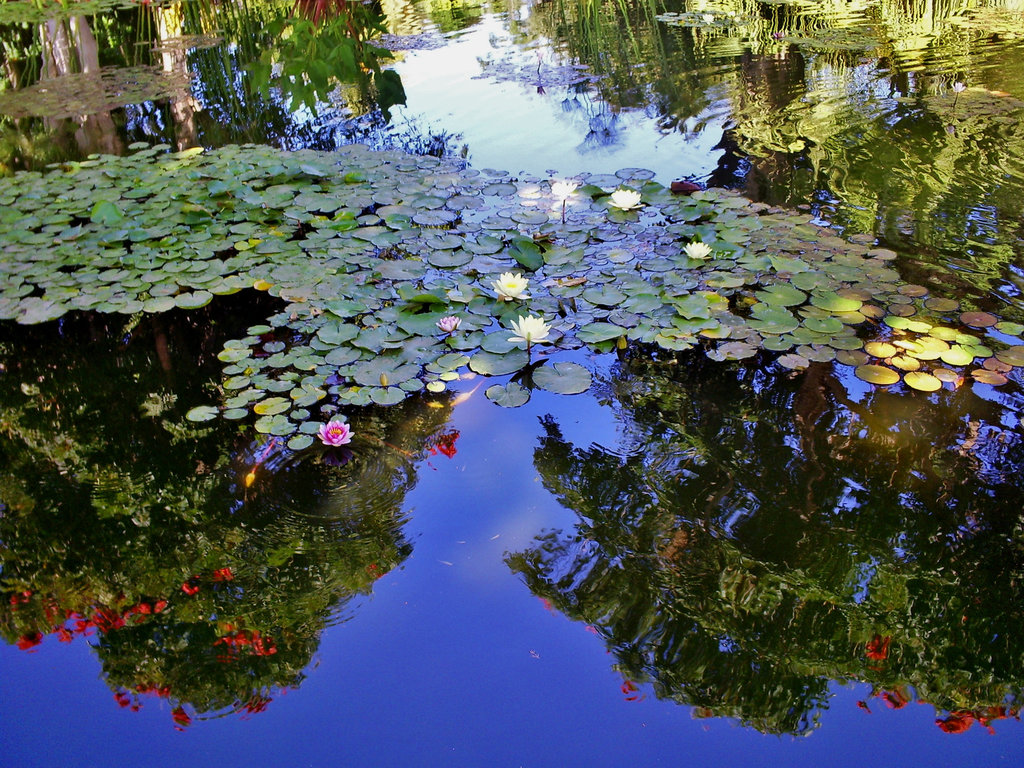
(202, 566)
(747, 544)
(850, 109)
(202, 72)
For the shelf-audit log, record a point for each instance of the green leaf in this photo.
(202, 413)
(491, 364)
(527, 253)
(593, 333)
(562, 378)
(510, 395)
(106, 213)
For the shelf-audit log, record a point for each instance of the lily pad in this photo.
(510, 395)
(922, 381)
(876, 374)
(563, 378)
(202, 413)
(491, 364)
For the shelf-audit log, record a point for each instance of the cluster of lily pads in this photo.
(397, 274)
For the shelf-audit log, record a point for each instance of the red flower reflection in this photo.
(445, 444)
(956, 722)
(878, 647)
(30, 640)
(896, 699)
(181, 717)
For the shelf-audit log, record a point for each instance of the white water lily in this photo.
(510, 286)
(563, 189)
(697, 250)
(531, 329)
(625, 199)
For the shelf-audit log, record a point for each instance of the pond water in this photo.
(758, 506)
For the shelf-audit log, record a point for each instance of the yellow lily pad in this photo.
(957, 355)
(946, 334)
(946, 375)
(922, 381)
(905, 363)
(880, 349)
(876, 374)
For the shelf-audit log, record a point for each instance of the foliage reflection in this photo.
(201, 566)
(750, 544)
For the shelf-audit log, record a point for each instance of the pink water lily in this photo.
(335, 433)
(449, 324)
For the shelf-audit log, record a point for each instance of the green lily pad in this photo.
(833, 302)
(510, 395)
(593, 333)
(202, 413)
(563, 378)
(492, 364)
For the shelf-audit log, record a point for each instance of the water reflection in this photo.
(201, 563)
(742, 545)
(193, 73)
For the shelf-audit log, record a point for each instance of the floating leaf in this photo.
(1012, 356)
(978, 319)
(300, 442)
(193, 300)
(922, 381)
(491, 364)
(876, 374)
(833, 302)
(794, 362)
(202, 413)
(957, 355)
(510, 395)
(989, 377)
(596, 332)
(564, 378)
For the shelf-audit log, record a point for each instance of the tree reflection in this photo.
(201, 565)
(748, 543)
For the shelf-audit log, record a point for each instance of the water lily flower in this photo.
(510, 286)
(959, 87)
(531, 329)
(563, 189)
(335, 433)
(697, 250)
(449, 324)
(625, 199)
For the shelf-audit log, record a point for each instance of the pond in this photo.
(670, 352)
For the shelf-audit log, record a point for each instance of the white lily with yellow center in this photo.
(510, 286)
(625, 199)
(697, 250)
(531, 329)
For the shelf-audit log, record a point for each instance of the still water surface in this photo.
(692, 562)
